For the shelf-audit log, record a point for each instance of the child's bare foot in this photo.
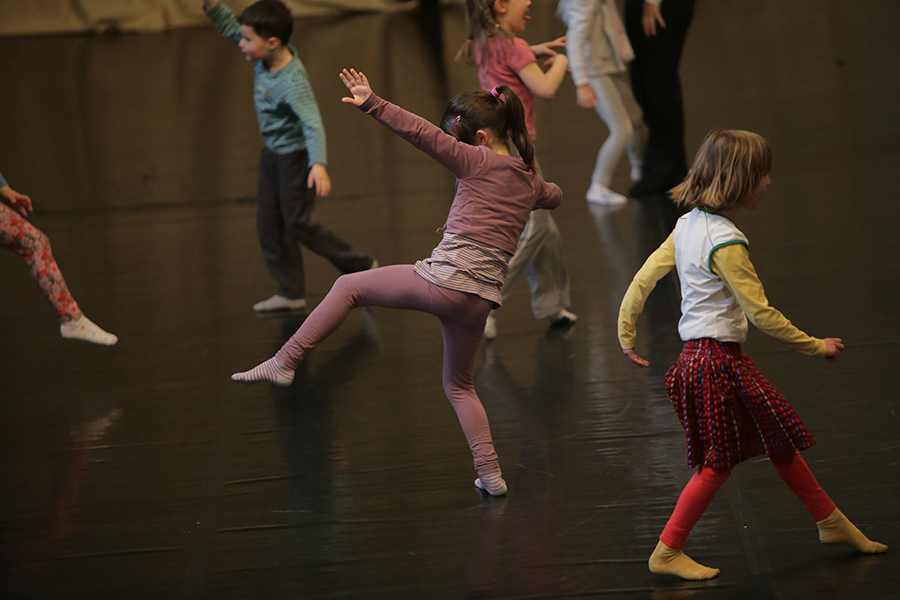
(837, 529)
(271, 370)
(669, 561)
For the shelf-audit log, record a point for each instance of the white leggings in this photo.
(622, 114)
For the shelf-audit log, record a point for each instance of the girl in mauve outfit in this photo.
(460, 283)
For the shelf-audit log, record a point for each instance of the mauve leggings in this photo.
(462, 322)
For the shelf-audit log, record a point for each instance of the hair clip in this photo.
(455, 123)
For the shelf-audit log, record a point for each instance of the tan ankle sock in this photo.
(669, 561)
(837, 529)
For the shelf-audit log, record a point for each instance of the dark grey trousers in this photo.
(284, 207)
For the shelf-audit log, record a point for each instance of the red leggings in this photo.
(699, 492)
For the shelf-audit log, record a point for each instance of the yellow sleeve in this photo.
(732, 264)
(655, 268)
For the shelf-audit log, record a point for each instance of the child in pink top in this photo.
(504, 59)
(460, 283)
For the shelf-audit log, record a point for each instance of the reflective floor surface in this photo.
(143, 471)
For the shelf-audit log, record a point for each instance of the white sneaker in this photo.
(636, 174)
(563, 318)
(278, 302)
(600, 194)
(490, 328)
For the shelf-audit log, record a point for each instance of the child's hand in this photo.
(319, 179)
(547, 48)
(629, 352)
(16, 201)
(650, 17)
(358, 86)
(557, 58)
(833, 348)
(585, 97)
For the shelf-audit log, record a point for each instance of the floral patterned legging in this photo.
(23, 238)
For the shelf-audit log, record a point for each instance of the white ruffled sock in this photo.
(83, 328)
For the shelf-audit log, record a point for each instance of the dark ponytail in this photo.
(499, 111)
(515, 125)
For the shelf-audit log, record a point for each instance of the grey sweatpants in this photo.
(623, 117)
(539, 256)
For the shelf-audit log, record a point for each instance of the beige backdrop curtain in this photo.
(37, 17)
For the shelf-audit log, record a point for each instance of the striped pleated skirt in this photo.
(730, 412)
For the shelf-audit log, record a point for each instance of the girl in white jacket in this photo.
(599, 52)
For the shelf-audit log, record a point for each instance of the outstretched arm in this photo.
(223, 20)
(459, 158)
(655, 268)
(732, 264)
(547, 48)
(545, 84)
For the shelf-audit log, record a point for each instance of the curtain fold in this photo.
(42, 17)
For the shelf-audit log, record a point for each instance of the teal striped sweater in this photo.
(289, 118)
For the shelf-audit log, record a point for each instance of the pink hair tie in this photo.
(455, 123)
(495, 93)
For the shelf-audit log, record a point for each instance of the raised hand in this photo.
(358, 86)
(547, 48)
(833, 348)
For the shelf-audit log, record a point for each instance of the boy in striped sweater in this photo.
(292, 167)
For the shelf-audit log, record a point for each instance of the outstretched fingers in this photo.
(358, 85)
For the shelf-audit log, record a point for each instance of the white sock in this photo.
(492, 484)
(83, 328)
(271, 370)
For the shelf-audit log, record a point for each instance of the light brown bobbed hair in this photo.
(729, 165)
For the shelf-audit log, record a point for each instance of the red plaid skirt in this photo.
(729, 411)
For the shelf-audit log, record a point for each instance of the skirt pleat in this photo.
(730, 412)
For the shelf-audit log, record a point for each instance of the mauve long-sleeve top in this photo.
(495, 193)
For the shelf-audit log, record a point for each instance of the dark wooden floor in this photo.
(142, 471)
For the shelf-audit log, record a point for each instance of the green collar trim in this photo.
(712, 212)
